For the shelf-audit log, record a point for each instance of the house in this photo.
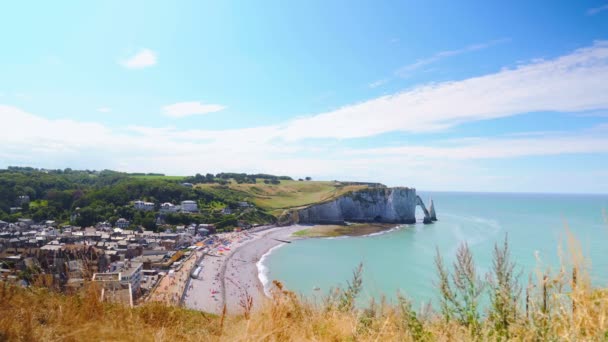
(244, 204)
(226, 211)
(206, 228)
(145, 206)
(113, 289)
(189, 185)
(191, 229)
(25, 222)
(122, 223)
(23, 199)
(189, 206)
(15, 209)
(169, 208)
(129, 272)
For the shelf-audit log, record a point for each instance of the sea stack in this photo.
(432, 211)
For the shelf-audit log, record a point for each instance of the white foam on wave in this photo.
(473, 230)
(385, 231)
(263, 270)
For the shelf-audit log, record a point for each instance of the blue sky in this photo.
(473, 96)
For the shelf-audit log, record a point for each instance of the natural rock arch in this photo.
(429, 215)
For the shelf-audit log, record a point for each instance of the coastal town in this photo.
(130, 264)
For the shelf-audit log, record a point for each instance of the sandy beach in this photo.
(229, 272)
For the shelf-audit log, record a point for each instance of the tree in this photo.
(308, 178)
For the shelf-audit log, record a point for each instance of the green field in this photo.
(39, 203)
(289, 194)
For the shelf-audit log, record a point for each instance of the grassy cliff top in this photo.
(290, 194)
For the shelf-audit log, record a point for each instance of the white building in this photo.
(141, 205)
(130, 272)
(169, 208)
(122, 223)
(23, 199)
(189, 206)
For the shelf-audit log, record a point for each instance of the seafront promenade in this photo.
(229, 274)
(171, 287)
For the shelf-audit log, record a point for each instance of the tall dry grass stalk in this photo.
(559, 305)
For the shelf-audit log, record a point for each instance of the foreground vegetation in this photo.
(554, 306)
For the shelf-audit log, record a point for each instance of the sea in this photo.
(401, 260)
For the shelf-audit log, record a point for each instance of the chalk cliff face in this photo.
(386, 205)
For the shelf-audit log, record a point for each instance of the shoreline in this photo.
(232, 279)
(235, 279)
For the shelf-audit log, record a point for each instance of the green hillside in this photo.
(288, 194)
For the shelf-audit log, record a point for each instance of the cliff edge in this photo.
(384, 205)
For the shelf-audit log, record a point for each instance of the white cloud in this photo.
(32, 140)
(596, 10)
(104, 109)
(408, 69)
(378, 83)
(142, 59)
(591, 141)
(571, 83)
(183, 109)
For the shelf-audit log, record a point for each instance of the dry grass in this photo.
(290, 194)
(557, 306)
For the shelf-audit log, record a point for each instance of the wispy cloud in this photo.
(574, 83)
(449, 165)
(183, 109)
(406, 70)
(571, 83)
(589, 141)
(143, 59)
(378, 83)
(596, 10)
(104, 109)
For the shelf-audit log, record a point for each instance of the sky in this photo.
(448, 95)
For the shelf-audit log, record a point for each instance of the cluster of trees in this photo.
(93, 196)
(240, 178)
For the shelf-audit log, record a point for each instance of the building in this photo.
(113, 290)
(130, 272)
(122, 223)
(169, 208)
(189, 185)
(23, 199)
(145, 206)
(206, 229)
(189, 206)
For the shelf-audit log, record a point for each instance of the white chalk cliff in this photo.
(378, 204)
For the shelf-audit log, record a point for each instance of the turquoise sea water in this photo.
(403, 259)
